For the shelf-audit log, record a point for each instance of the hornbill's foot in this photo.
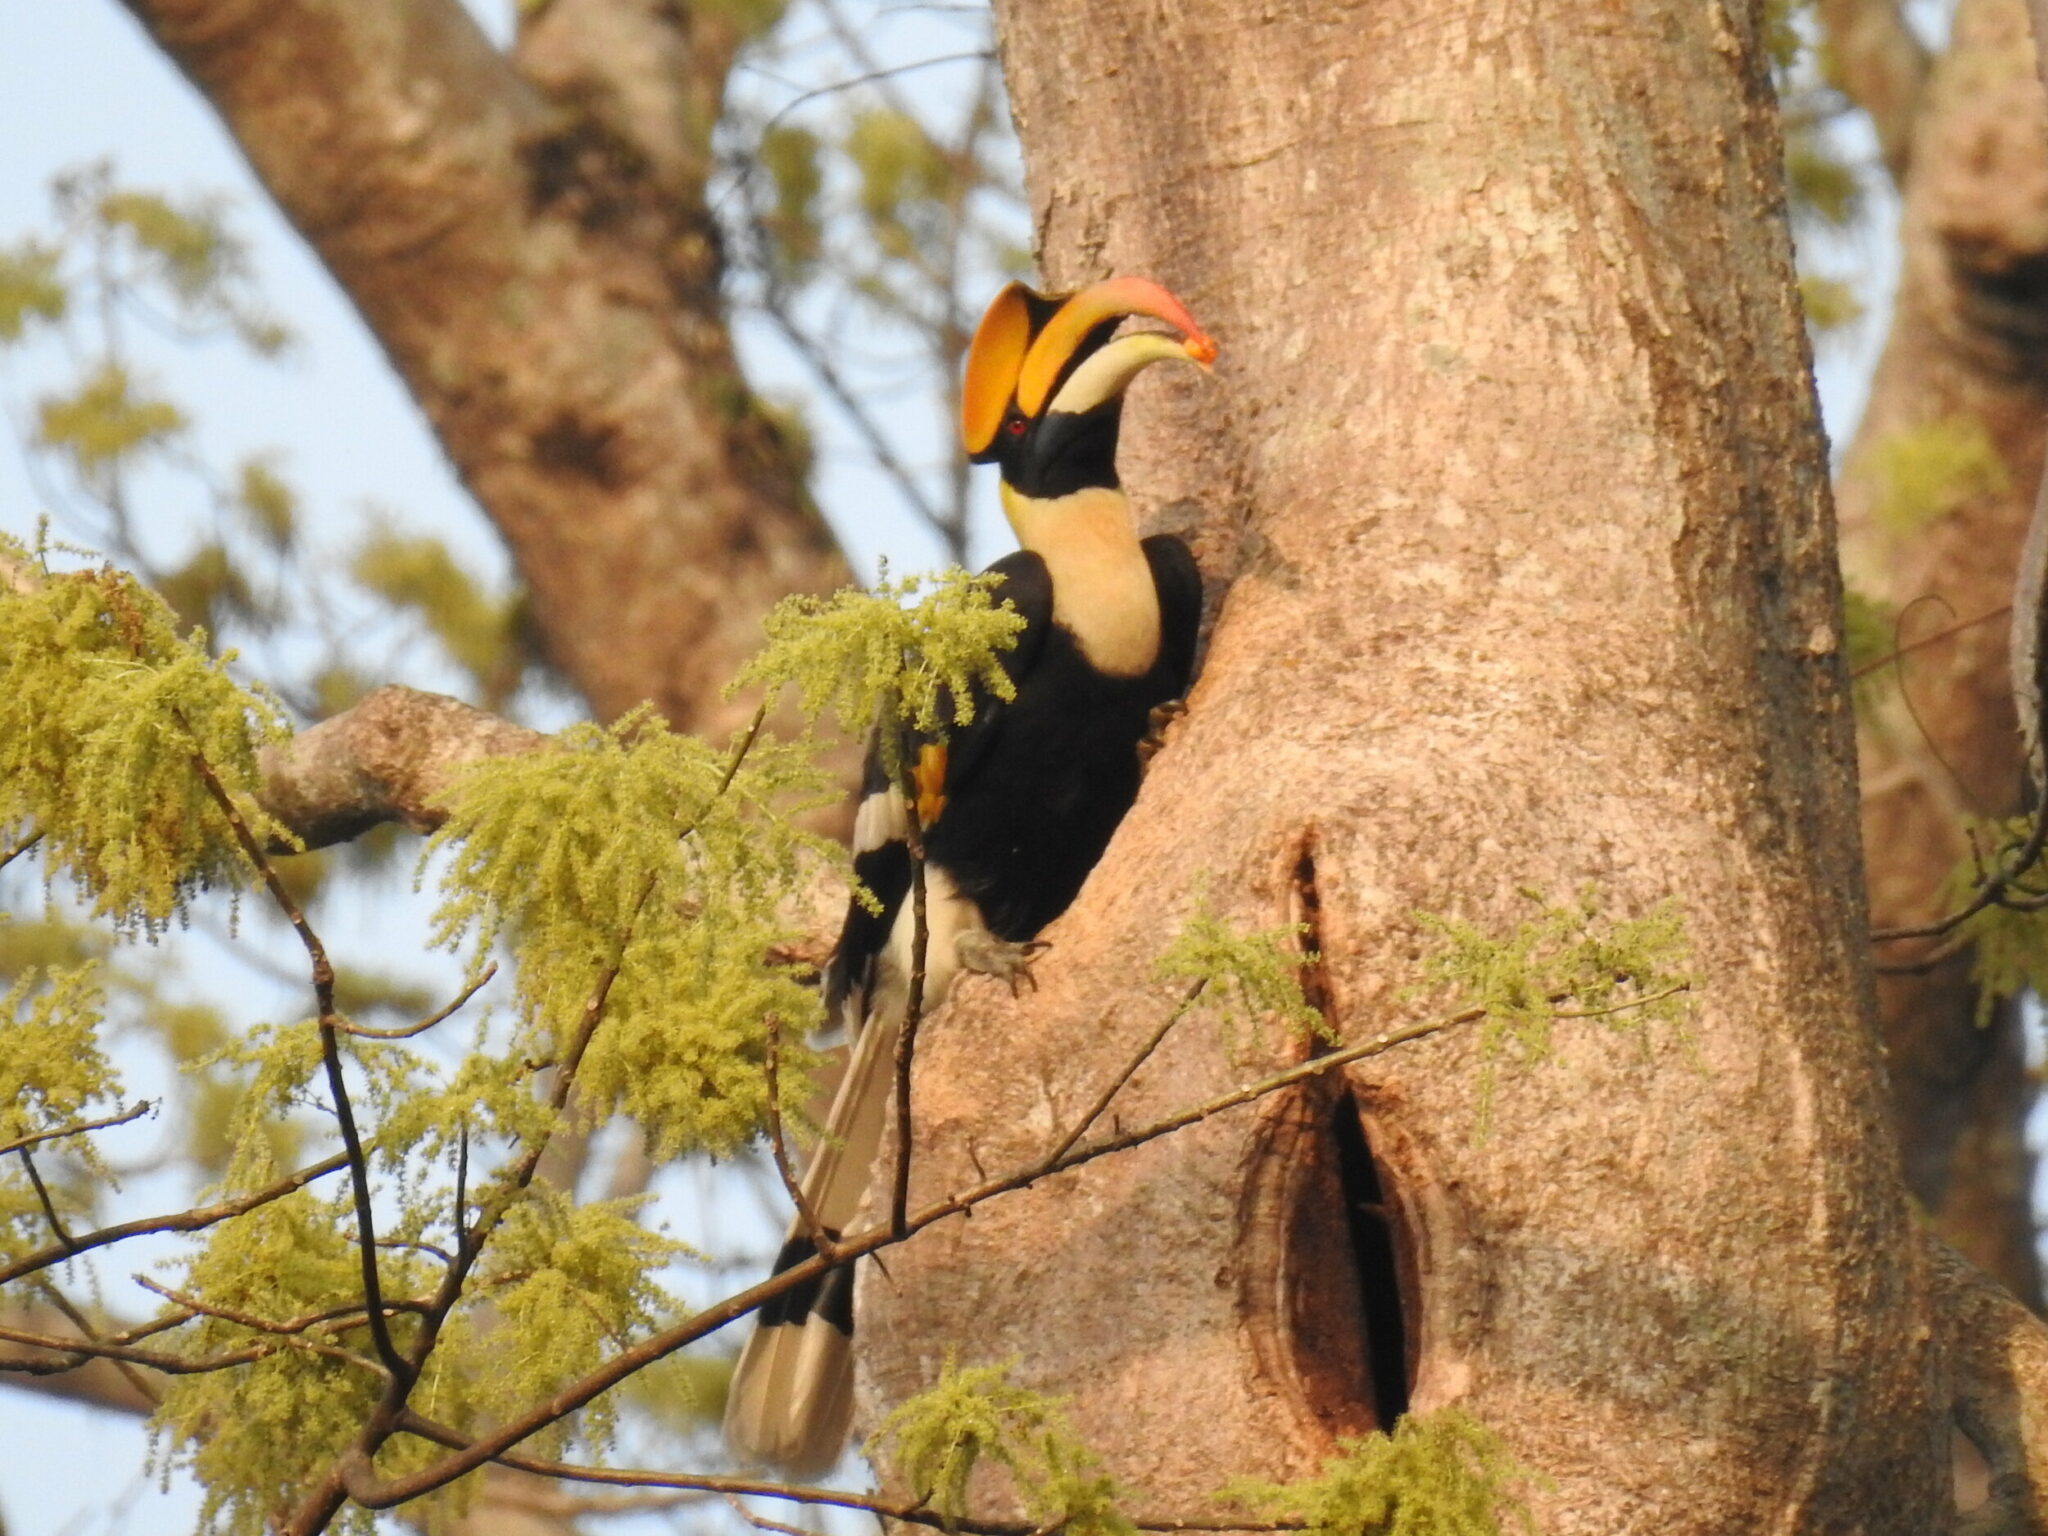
(1156, 726)
(981, 951)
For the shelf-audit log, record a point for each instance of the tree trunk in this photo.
(1513, 467)
(1964, 358)
(528, 238)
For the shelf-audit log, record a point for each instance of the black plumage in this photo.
(1016, 807)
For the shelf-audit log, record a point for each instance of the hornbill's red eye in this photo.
(1014, 425)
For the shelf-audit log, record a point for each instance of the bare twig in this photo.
(778, 1145)
(913, 1016)
(351, 1316)
(1947, 632)
(43, 1195)
(196, 1219)
(140, 1108)
(1116, 1084)
(142, 1387)
(407, 1031)
(15, 850)
(919, 1514)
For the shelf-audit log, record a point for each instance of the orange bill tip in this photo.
(1054, 346)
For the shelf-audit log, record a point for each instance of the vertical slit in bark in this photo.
(1374, 1249)
(1348, 1286)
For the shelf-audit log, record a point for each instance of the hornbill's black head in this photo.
(1045, 382)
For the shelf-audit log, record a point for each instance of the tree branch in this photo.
(1874, 59)
(551, 296)
(1998, 1359)
(390, 758)
(195, 1220)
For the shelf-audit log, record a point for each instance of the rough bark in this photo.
(528, 239)
(1965, 346)
(388, 759)
(1514, 468)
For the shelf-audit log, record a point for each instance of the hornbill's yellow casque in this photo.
(1016, 807)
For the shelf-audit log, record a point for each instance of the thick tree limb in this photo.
(1999, 1366)
(1875, 60)
(550, 293)
(1962, 364)
(2030, 592)
(386, 760)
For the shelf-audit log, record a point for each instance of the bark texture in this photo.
(1964, 353)
(529, 240)
(388, 759)
(1512, 465)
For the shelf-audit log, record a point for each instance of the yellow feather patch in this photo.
(929, 778)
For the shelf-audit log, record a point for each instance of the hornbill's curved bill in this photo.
(1016, 807)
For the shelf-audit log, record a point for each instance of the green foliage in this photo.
(30, 288)
(561, 1286)
(142, 239)
(788, 152)
(269, 503)
(1869, 637)
(1869, 630)
(50, 1053)
(416, 572)
(866, 656)
(623, 867)
(1782, 38)
(104, 711)
(1570, 960)
(1244, 976)
(189, 244)
(1825, 187)
(258, 1436)
(1438, 1474)
(1830, 303)
(207, 588)
(937, 1438)
(904, 179)
(105, 422)
(1923, 473)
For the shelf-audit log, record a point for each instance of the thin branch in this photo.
(407, 1031)
(350, 1316)
(140, 1108)
(318, 1507)
(1116, 1084)
(43, 1195)
(913, 1016)
(330, 1057)
(792, 1493)
(1947, 633)
(197, 1219)
(14, 851)
(777, 1145)
(78, 1351)
(147, 1390)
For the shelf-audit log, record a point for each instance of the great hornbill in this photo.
(1015, 808)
